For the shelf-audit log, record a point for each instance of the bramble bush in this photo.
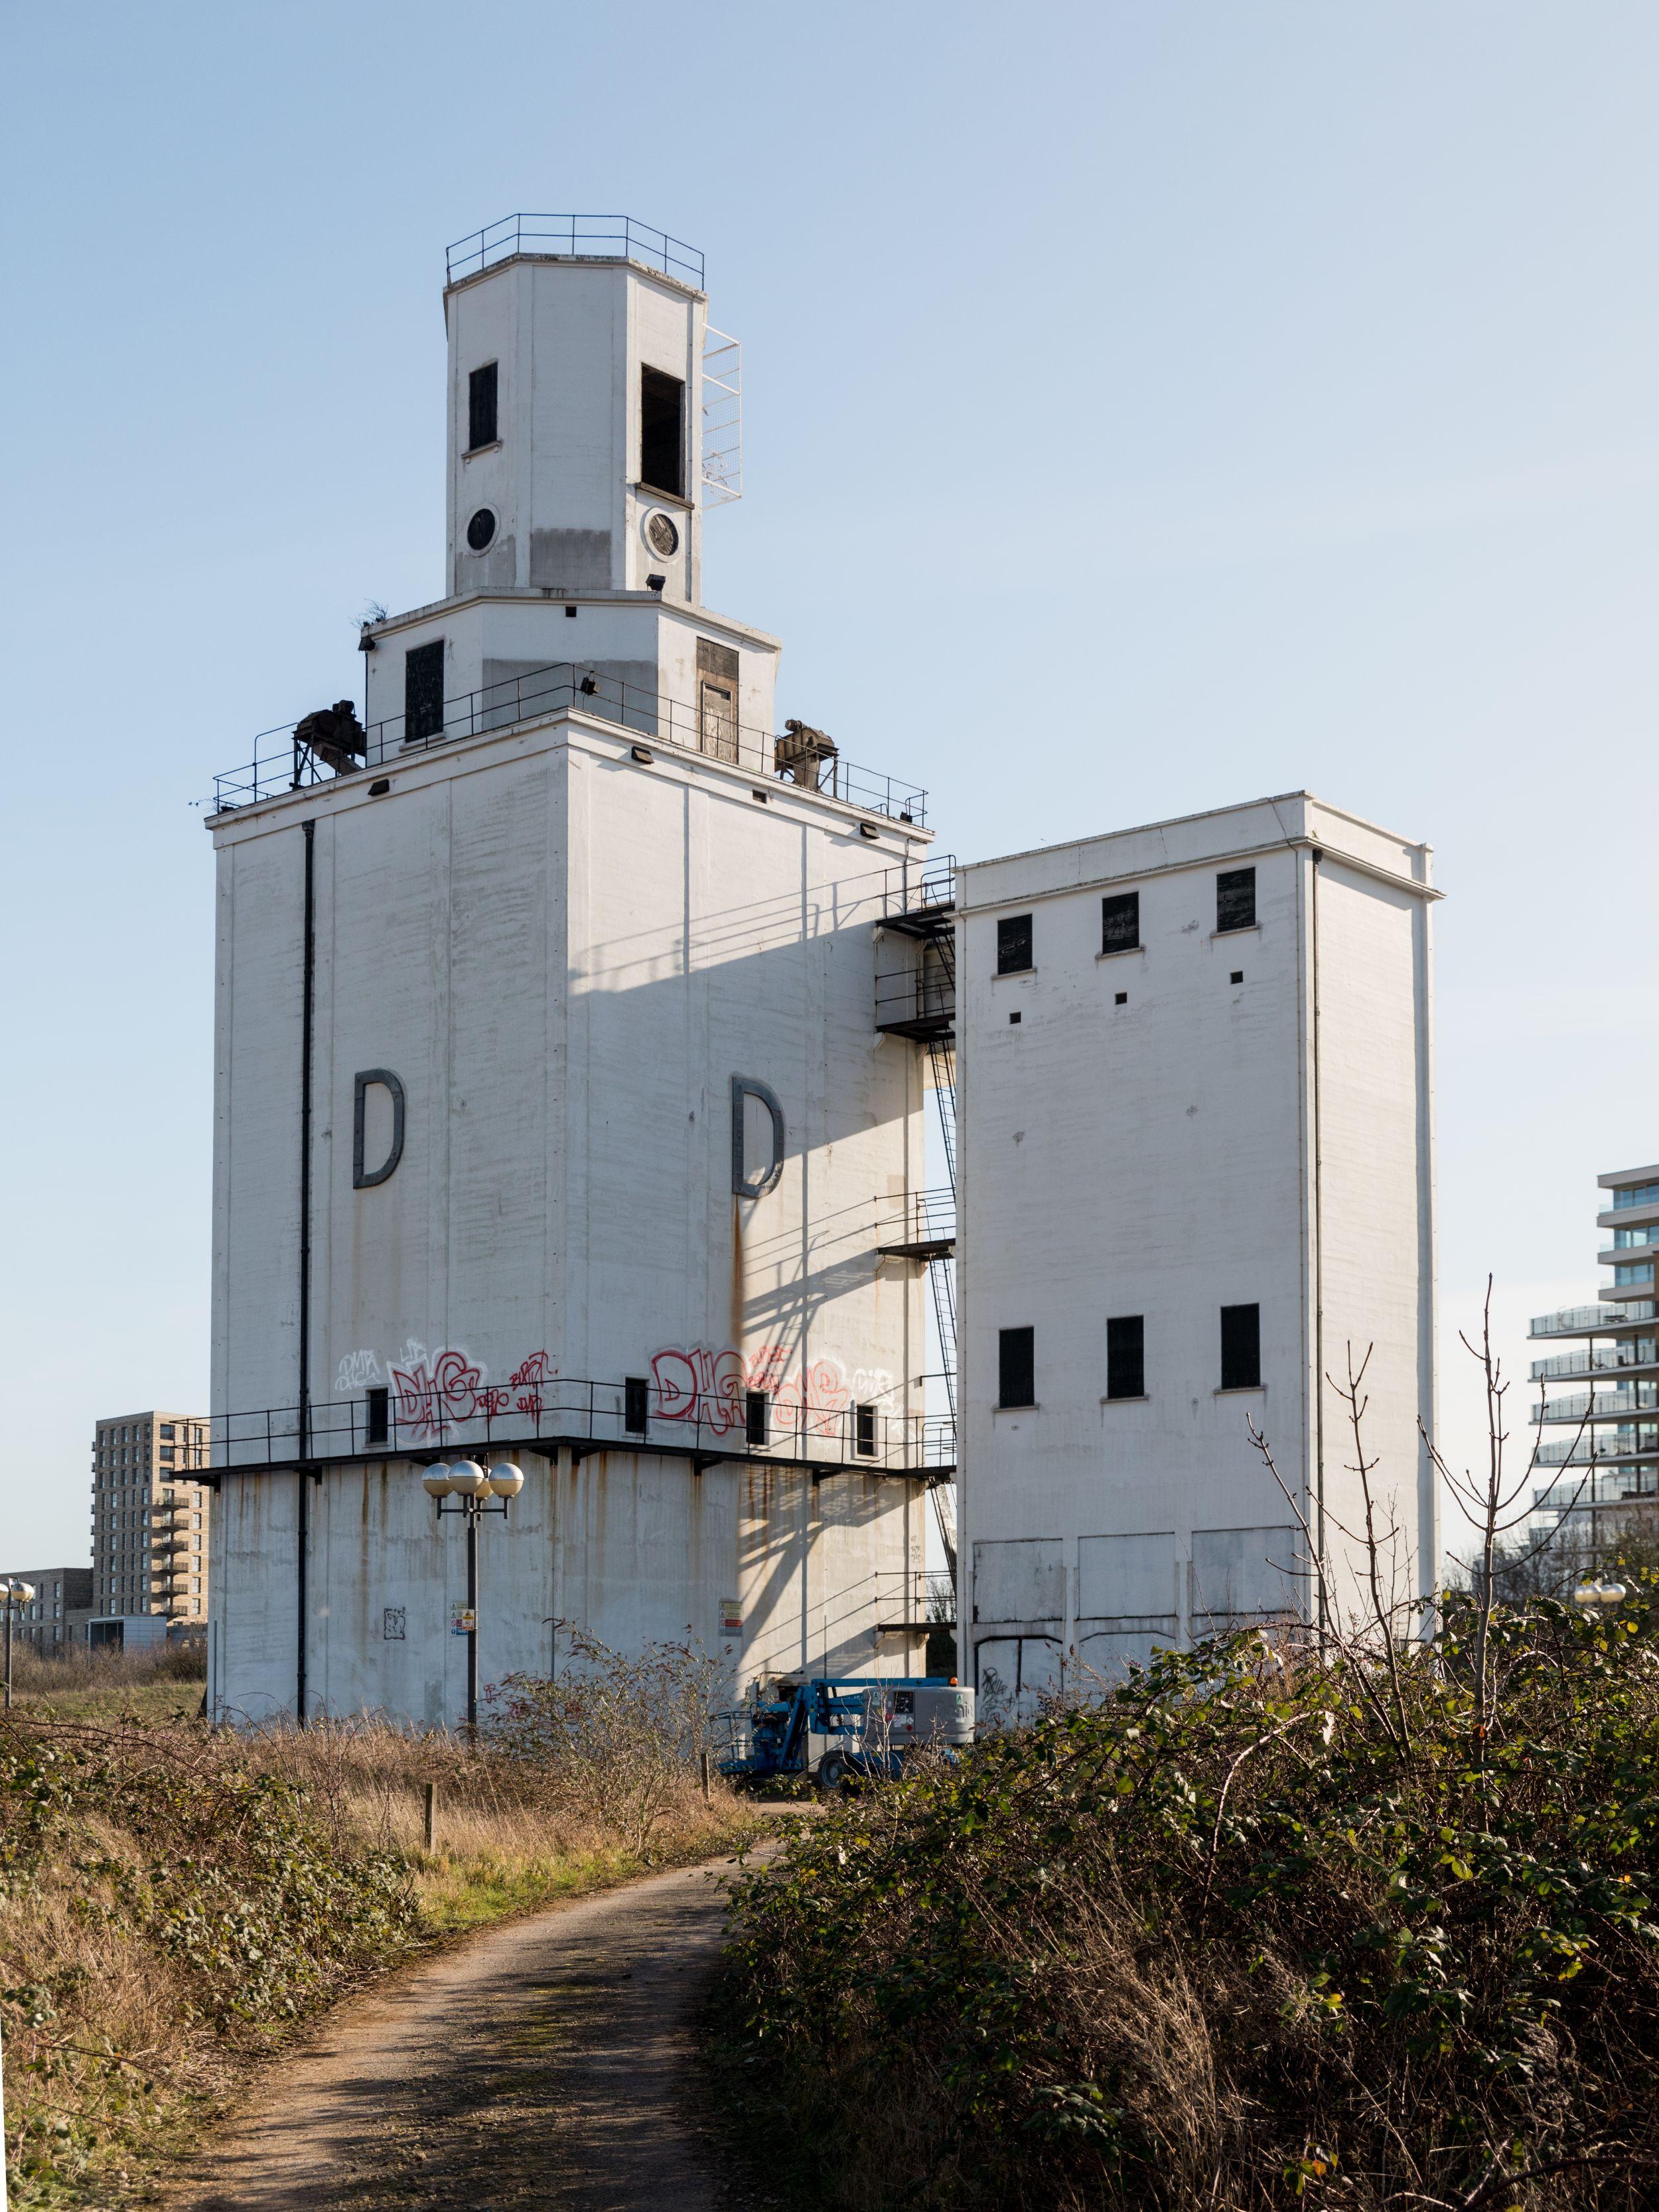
(159, 1897)
(1241, 1934)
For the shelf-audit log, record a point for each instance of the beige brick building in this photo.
(149, 1516)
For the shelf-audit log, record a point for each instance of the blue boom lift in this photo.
(835, 1730)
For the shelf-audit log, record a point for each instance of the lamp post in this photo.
(472, 1488)
(15, 1594)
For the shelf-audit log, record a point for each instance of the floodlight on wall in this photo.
(656, 583)
(588, 686)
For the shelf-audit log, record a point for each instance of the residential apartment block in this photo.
(1600, 1463)
(149, 1518)
(56, 1615)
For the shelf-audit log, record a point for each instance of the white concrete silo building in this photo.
(1195, 1097)
(551, 1115)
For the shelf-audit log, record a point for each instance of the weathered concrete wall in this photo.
(564, 956)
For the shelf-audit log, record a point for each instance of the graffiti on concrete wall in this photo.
(710, 1387)
(706, 1386)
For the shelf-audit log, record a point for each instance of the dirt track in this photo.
(542, 2064)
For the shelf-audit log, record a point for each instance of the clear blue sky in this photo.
(1150, 407)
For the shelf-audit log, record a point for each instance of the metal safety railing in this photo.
(283, 762)
(454, 1409)
(1580, 1320)
(919, 1225)
(1599, 1405)
(574, 238)
(1568, 1366)
(1593, 1447)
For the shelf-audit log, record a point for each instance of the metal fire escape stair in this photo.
(920, 1004)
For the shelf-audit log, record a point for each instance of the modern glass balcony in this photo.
(1596, 1445)
(1597, 1359)
(1603, 1405)
(1590, 1320)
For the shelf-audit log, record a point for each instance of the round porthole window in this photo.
(480, 529)
(660, 534)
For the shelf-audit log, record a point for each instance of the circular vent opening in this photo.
(480, 529)
(660, 534)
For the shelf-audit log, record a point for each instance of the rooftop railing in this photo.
(576, 237)
(458, 1413)
(283, 762)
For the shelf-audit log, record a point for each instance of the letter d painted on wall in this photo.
(744, 1184)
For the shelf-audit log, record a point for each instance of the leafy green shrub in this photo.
(159, 1898)
(1223, 1940)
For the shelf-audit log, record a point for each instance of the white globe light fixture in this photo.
(463, 1486)
(1598, 1592)
(15, 1594)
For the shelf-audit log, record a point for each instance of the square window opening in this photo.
(1014, 1020)
(1013, 944)
(1121, 999)
(662, 432)
(1241, 1347)
(481, 388)
(1237, 976)
(1017, 1367)
(1234, 899)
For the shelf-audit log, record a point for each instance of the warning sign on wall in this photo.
(731, 1616)
(462, 1620)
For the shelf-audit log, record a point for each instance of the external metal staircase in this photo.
(916, 998)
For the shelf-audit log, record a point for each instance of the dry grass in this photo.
(175, 1899)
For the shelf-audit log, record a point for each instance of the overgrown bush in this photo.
(1226, 1940)
(160, 1898)
(619, 1736)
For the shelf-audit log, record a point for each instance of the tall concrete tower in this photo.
(553, 1121)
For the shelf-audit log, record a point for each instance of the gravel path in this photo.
(542, 2064)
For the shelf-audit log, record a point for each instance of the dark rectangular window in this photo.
(481, 407)
(379, 1416)
(1126, 1356)
(1013, 944)
(635, 1404)
(1241, 1347)
(662, 432)
(864, 1432)
(757, 1408)
(424, 691)
(1120, 923)
(1234, 899)
(1017, 1367)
